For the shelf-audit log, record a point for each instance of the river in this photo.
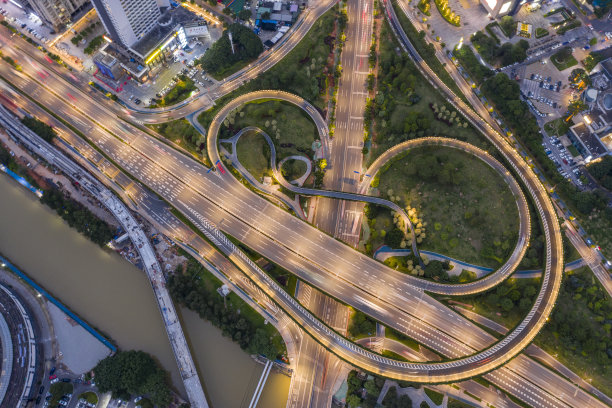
(116, 298)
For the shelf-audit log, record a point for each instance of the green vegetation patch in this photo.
(470, 212)
(435, 396)
(392, 400)
(361, 325)
(357, 384)
(93, 45)
(181, 91)
(58, 390)
(129, 373)
(495, 54)
(78, 217)
(219, 61)
(290, 128)
(470, 63)
(196, 289)
(592, 60)
(40, 128)
(406, 106)
(558, 127)
(254, 154)
(541, 32)
(563, 59)
(90, 397)
(181, 132)
(602, 171)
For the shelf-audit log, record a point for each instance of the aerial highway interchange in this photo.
(397, 300)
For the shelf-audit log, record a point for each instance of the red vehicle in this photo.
(220, 166)
(52, 377)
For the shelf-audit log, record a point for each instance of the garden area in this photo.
(407, 107)
(195, 288)
(89, 397)
(291, 129)
(469, 211)
(563, 59)
(499, 55)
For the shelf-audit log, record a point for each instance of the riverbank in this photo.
(116, 297)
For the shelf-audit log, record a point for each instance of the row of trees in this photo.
(478, 72)
(133, 373)
(78, 217)
(495, 54)
(504, 93)
(40, 128)
(187, 289)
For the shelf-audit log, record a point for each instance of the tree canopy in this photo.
(247, 46)
(130, 373)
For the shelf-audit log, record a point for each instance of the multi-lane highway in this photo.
(455, 337)
(180, 179)
(154, 163)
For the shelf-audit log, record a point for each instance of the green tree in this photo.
(133, 373)
(244, 14)
(506, 304)
(353, 401)
(247, 47)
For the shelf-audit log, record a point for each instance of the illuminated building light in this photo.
(107, 39)
(491, 3)
(587, 120)
(505, 7)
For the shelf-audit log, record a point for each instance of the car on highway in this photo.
(52, 371)
(52, 377)
(42, 389)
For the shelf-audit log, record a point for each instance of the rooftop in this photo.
(588, 140)
(167, 23)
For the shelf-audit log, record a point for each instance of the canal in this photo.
(116, 298)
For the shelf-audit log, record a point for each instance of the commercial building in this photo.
(169, 34)
(592, 134)
(57, 13)
(128, 21)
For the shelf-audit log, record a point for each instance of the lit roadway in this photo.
(342, 219)
(186, 184)
(487, 282)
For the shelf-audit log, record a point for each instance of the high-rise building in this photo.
(57, 13)
(128, 21)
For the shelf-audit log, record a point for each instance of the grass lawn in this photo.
(290, 128)
(541, 32)
(393, 355)
(435, 396)
(470, 212)
(293, 169)
(145, 403)
(572, 149)
(90, 397)
(181, 91)
(557, 127)
(182, 133)
(563, 59)
(254, 154)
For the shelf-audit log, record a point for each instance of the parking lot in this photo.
(546, 88)
(566, 163)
